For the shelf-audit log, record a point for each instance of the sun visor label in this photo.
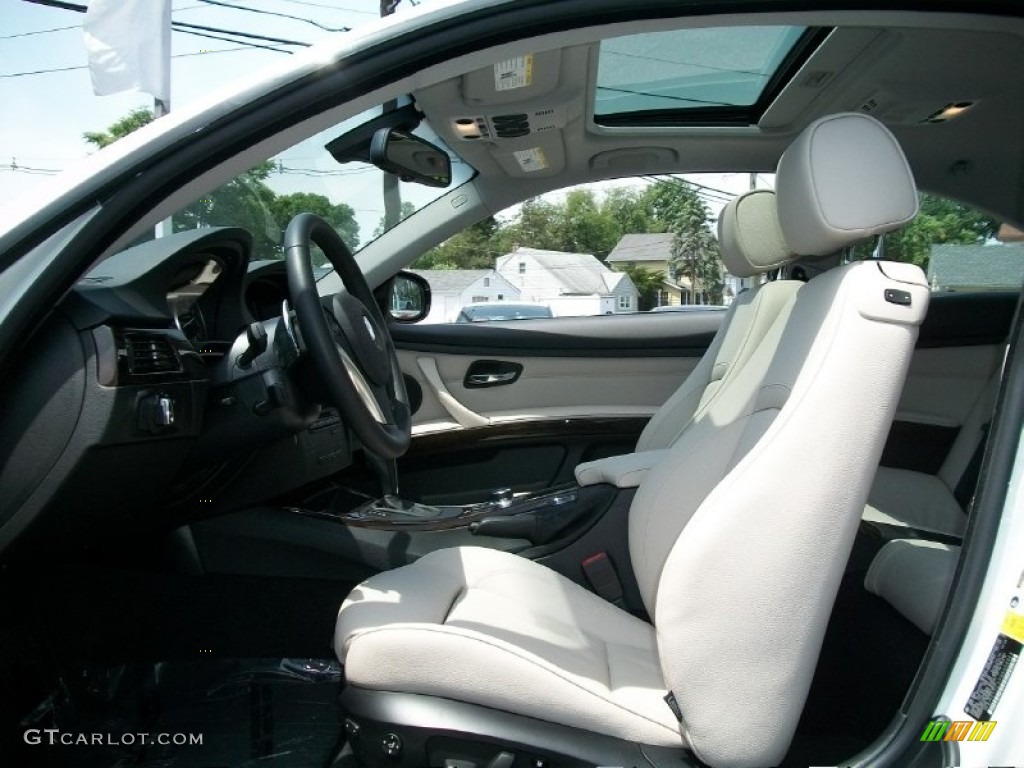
(531, 159)
(513, 73)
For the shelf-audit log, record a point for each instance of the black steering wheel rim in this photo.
(349, 344)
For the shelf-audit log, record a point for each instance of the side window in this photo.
(621, 249)
(959, 248)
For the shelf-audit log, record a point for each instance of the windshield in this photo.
(357, 199)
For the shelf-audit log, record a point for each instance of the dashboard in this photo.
(136, 402)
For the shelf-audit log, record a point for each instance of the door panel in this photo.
(583, 389)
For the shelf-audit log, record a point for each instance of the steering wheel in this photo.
(349, 343)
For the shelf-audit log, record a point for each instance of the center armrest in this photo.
(625, 471)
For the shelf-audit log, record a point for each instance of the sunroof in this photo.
(724, 70)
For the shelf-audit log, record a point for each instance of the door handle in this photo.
(491, 373)
(492, 379)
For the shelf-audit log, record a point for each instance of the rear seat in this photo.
(939, 502)
(914, 576)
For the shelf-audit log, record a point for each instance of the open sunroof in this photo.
(712, 76)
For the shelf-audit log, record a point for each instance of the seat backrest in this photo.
(740, 536)
(750, 240)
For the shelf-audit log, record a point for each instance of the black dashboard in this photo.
(136, 406)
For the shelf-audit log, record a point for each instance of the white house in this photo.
(452, 289)
(570, 283)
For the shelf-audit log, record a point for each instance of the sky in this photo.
(47, 96)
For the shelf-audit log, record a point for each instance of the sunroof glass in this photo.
(689, 68)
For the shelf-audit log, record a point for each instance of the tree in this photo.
(628, 211)
(341, 217)
(119, 129)
(475, 247)
(940, 220)
(246, 201)
(678, 209)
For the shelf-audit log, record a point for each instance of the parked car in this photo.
(495, 310)
(597, 541)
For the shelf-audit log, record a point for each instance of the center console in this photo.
(535, 517)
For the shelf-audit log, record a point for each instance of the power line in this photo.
(231, 40)
(179, 26)
(38, 32)
(330, 7)
(242, 47)
(317, 24)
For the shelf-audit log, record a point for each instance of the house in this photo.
(570, 283)
(452, 289)
(653, 251)
(976, 267)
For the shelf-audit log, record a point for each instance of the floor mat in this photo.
(186, 714)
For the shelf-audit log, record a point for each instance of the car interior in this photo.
(245, 491)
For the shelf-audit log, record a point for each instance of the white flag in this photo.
(129, 46)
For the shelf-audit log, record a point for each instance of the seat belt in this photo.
(964, 492)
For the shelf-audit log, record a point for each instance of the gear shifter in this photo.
(394, 506)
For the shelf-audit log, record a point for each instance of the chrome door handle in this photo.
(490, 379)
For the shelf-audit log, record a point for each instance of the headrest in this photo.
(844, 179)
(749, 236)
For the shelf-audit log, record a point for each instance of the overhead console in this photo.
(511, 113)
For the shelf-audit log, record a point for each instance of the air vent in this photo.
(149, 355)
(511, 126)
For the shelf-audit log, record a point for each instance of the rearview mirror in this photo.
(410, 158)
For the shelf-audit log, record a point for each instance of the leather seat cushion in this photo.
(495, 629)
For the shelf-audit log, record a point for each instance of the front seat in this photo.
(751, 243)
(737, 554)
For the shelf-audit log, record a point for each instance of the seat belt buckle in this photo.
(602, 577)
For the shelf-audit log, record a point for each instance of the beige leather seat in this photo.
(914, 577)
(938, 502)
(751, 243)
(737, 564)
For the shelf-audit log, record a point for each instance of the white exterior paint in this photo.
(452, 289)
(572, 284)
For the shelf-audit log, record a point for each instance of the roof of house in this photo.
(451, 280)
(644, 247)
(575, 273)
(976, 266)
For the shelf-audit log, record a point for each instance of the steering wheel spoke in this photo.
(348, 341)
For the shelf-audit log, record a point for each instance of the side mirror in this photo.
(410, 158)
(408, 298)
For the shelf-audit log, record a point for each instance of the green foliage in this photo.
(475, 247)
(678, 209)
(341, 217)
(118, 130)
(940, 220)
(246, 201)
